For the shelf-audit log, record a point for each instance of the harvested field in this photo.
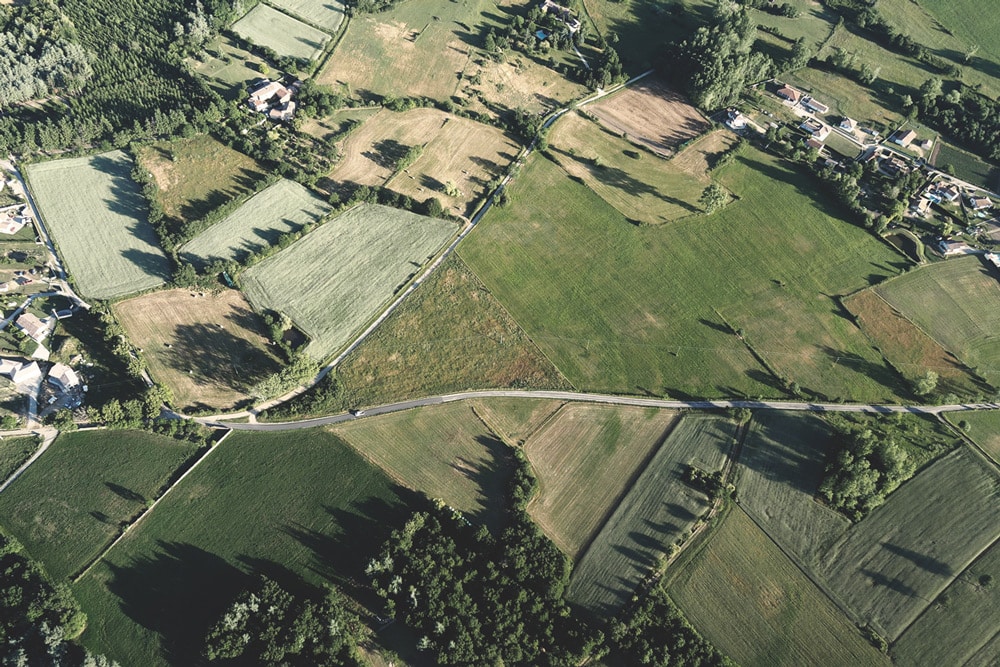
(209, 350)
(658, 510)
(755, 606)
(324, 14)
(266, 26)
(585, 460)
(259, 222)
(98, 219)
(652, 114)
(983, 428)
(515, 419)
(335, 279)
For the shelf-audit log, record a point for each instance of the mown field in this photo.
(585, 460)
(450, 335)
(209, 350)
(640, 186)
(14, 452)
(336, 278)
(69, 504)
(983, 428)
(283, 207)
(658, 509)
(266, 26)
(328, 14)
(846, 97)
(755, 606)
(645, 309)
(961, 622)
(444, 451)
(967, 20)
(97, 217)
(958, 304)
(300, 507)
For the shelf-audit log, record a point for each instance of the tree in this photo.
(713, 198)
(926, 384)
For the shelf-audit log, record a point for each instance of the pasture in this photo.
(984, 429)
(14, 452)
(585, 460)
(265, 26)
(957, 303)
(651, 114)
(640, 186)
(335, 279)
(444, 451)
(450, 335)
(259, 222)
(518, 82)
(659, 509)
(71, 502)
(97, 217)
(326, 15)
(300, 507)
(595, 294)
(965, 19)
(209, 350)
(755, 606)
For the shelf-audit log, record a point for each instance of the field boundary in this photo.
(46, 440)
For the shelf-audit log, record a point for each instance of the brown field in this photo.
(585, 459)
(518, 83)
(207, 349)
(515, 419)
(651, 114)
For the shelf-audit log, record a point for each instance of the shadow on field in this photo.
(880, 373)
(923, 561)
(791, 450)
(491, 475)
(217, 357)
(150, 263)
(896, 585)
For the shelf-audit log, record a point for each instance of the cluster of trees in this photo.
(710, 483)
(187, 430)
(387, 197)
(322, 398)
(869, 466)
(132, 413)
(269, 627)
(969, 117)
(300, 369)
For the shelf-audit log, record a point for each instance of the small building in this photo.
(790, 94)
(814, 105)
(735, 120)
(980, 203)
(813, 142)
(848, 124)
(926, 144)
(993, 259)
(282, 112)
(33, 327)
(8, 366)
(63, 377)
(904, 139)
(815, 128)
(949, 248)
(893, 166)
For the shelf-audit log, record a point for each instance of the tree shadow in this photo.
(152, 264)
(896, 585)
(923, 561)
(124, 493)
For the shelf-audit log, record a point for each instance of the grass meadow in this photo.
(258, 223)
(983, 428)
(97, 217)
(747, 598)
(14, 452)
(228, 68)
(586, 459)
(300, 507)
(326, 15)
(632, 309)
(658, 509)
(335, 279)
(644, 26)
(265, 26)
(70, 503)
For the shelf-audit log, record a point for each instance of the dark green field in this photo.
(14, 452)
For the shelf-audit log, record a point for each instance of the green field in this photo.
(281, 208)
(644, 26)
(336, 278)
(97, 217)
(266, 26)
(69, 504)
(14, 452)
(984, 429)
(957, 303)
(324, 14)
(444, 451)
(755, 606)
(659, 509)
(967, 19)
(300, 507)
(637, 309)
(228, 68)
(968, 167)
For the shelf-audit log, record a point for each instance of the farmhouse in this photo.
(815, 128)
(63, 377)
(904, 139)
(33, 327)
(564, 14)
(814, 105)
(273, 98)
(282, 112)
(789, 94)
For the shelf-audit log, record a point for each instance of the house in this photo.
(63, 377)
(943, 191)
(789, 94)
(266, 93)
(848, 124)
(33, 327)
(813, 142)
(893, 166)
(979, 203)
(815, 128)
(993, 259)
(26, 373)
(904, 139)
(735, 120)
(926, 144)
(564, 14)
(813, 105)
(920, 206)
(282, 112)
(948, 248)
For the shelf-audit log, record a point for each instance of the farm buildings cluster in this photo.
(274, 99)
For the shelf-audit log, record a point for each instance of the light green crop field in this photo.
(659, 509)
(755, 606)
(888, 567)
(623, 308)
(283, 207)
(300, 507)
(984, 429)
(14, 452)
(336, 278)
(97, 217)
(960, 623)
(325, 14)
(266, 26)
(68, 505)
(957, 303)
(585, 460)
(444, 451)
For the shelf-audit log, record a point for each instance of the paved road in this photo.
(603, 398)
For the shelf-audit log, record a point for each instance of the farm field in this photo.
(336, 278)
(755, 606)
(209, 350)
(958, 304)
(585, 460)
(14, 452)
(327, 14)
(590, 289)
(984, 429)
(300, 507)
(967, 166)
(889, 567)
(228, 68)
(813, 24)
(97, 217)
(640, 186)
(652, 114)
(68, 505)
(518, 83)
(658, 509)
(514, 420)
(907, 348)
(197, 175)
(643, 27)
(449, 335)
(444, 451)
(967, 20)
(960, 622)
(266, 26)
(259, 222)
